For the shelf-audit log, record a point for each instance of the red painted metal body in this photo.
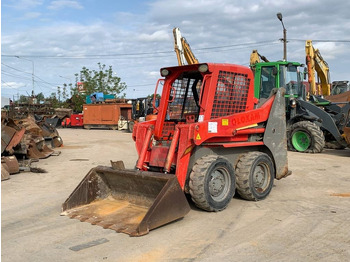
(225, 115)
(77, 120)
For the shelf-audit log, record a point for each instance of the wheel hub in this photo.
(301, 141)
(260, 177)
(218, 184)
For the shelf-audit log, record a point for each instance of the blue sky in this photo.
(135, 37)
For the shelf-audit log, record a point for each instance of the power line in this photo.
(321, 40)
(142, 85)
(140, 54)
(6, 84)
(22, 71)
(236, 45)
(157, 53)
(23, 77)
(42, 80)
(14, 75)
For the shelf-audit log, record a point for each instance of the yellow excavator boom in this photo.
(182, 49)
(316, 64)
(255, 58)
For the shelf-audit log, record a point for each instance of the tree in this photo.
(101, 80)
(64, 92)
(52, 99)
(23, 99)
(59, 93)
(76, 102)
(40, 97)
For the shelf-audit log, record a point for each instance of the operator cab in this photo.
(280, 74)
(290, 79)
(184, 98)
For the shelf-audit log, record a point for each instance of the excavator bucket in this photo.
(127, 201)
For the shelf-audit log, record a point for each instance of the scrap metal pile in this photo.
(24, 141)
(23, 110)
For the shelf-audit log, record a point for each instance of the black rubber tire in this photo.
(212, 183)
(313, 131)
(255, 174)
(334, 145)
(131, 126)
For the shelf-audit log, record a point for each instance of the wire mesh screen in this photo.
(231, 94)
(182, 97)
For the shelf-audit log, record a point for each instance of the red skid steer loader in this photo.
(211, 138)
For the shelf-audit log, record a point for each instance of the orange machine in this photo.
(106, 115)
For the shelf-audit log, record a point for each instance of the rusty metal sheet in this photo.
(344, 97)
(12, 164)
(30, 125)
(34, 152)
(4, 172)
(347, 135)
(127, 201)
(48, 130)
(57, 141)
(16, 139)
(6, 135)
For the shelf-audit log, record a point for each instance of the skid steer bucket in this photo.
(127, 201)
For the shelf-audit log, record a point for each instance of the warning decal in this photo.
(212, 127)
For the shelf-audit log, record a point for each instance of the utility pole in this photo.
(284, 39)
(32, 71)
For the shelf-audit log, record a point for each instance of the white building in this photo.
(5, 101)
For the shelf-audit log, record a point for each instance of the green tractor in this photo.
(310, 122)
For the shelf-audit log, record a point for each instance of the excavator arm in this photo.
(316, 64)
(183, 50)
(255, 58)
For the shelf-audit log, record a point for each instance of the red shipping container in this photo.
(77, 120)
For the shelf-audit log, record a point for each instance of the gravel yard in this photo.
(305, 218)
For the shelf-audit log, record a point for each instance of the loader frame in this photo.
(216, 131)
(211, 137)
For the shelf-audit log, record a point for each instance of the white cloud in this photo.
(155, 36)
(12, 85)
(61, 4)
(330, 50)
(154, 73)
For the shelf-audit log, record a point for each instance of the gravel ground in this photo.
(305, 218)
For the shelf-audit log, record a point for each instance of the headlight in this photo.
(164, 72)
(203, 68)
(292, 103)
